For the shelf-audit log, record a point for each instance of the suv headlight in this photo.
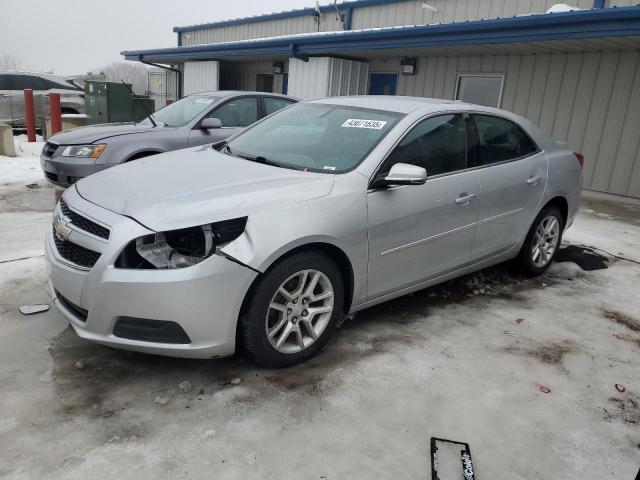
(179, 248)
(84, 151)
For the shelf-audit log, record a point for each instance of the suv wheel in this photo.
(293, 310)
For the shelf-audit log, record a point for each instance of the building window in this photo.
(480, 89)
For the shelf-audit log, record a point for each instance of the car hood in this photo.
(195, 186)
(95, 133)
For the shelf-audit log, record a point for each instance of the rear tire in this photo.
(542, 242)
(293, 310)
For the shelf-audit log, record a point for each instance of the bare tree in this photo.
(134, 74)
(9, 61)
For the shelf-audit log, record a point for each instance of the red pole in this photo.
(30, 115)
(168, 101)
(55, 112)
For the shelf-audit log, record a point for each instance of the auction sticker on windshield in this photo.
(360, 123)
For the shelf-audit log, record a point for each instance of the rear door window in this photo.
(273, 104)
(500, 140)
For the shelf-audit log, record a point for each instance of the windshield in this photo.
(181, 112)
(316, 137)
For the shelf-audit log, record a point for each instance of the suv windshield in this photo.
(181, 112)
(316, 137)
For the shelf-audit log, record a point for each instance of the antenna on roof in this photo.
(316, 15)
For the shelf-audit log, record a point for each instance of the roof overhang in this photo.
(539, 28)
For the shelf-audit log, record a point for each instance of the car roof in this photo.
(398, 104)
(231, 93)
(49, 76)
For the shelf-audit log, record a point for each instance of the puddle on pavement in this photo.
(585, 258)
(41, 199)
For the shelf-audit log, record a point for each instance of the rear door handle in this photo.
(534, 180)
(465, 199)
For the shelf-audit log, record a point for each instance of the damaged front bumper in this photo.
(203, 301)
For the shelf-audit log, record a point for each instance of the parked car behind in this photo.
(13, 84)
(197, 119)
(320, 210)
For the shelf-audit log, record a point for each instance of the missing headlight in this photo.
(179, 248)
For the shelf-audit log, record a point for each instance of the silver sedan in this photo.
(320, 210)
(197, 119)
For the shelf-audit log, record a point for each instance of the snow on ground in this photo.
(25, 168)
(525, 370)
(26, 201)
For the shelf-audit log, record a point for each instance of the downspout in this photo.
(348, 19)
(178, 72)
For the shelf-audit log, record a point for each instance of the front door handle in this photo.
(465, 199)
(534, 180)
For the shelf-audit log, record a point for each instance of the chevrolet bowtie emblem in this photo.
(60, 228)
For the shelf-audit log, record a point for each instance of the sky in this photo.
(76, 36)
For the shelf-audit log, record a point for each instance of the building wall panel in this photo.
(347, 77)
(271, 28)
(308, 80)
(622, 3)
(324, 76)
(408, 12)
(200, 77)
(413, 12)
(589, 100)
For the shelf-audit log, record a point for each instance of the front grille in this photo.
(75, 253)
(49, 149)
(81, 313)
(51, 176)
(84, 223)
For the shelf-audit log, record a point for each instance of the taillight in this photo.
(580, 158)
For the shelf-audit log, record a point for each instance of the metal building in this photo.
(575, 73)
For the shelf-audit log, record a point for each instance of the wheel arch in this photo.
(332, 251)
(560, 202)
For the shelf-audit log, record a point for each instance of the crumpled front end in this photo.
(184, 312)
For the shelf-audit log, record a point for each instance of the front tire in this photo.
(293, 310)
(542, 242)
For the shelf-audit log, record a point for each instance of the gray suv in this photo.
(197, 119)
(13, 84)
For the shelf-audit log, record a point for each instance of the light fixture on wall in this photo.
(278, 68)
(408, 65)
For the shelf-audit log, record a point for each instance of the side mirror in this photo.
(402, 174)
(210, 123)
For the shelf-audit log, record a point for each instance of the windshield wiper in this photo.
(257, 158)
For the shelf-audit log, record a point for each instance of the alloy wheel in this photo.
(299, 311)
(545, 241)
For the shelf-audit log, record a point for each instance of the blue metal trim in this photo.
(606, 22)
(288, 14)
(599, 3)
(348, 18)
